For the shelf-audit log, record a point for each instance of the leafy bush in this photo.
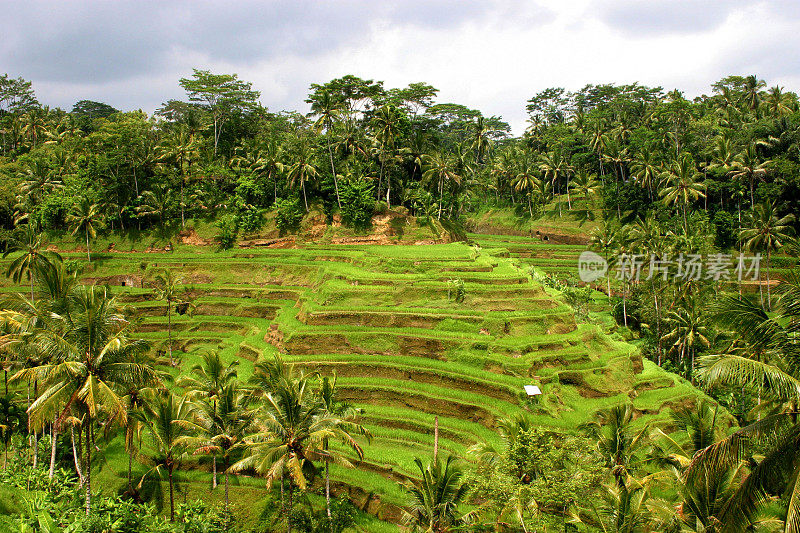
(288, 214)
(228, 226)
(250, 219)
(357, 203)
(456, 290)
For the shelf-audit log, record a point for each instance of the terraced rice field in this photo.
(386, 320)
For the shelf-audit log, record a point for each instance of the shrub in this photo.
(456, 290)
(228, 230)
(288, 214)
(250, 219)
(357, 203)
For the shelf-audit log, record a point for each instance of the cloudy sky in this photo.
(489, 54)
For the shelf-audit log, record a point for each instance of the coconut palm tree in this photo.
(688, 332)
(181, 150)
(780, 103)
(438, 168)
(343, 415)
(34, 257)
(436, 496)
(771, 443)
(618, 441)
(646, 170)
(38, 179)
(293, 427)
(526, 180)
(752, 91)
(767, 232)
(85, 217)
(157, 201)
(168, 422)
(166, 289)
(206, 383)
(303, 168)
(603, 242)
(270, 162)
(224, 423)
(684, 186)
(90, 357)
(386, 127)
(748, 167)
(556, 166)
(134, 394)
(328, 112)
(584, 183)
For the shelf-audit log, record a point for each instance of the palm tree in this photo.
(156, 202)
(225, 422)
(182, 150)
(646, 170)
(270, 161)
(343, 416)
(168, 420)
(748, 167)
(438, 168)
(134, 393)
(767, 232)
(555, 165)
(436, 496)
(684, 186)
(752, 91)
(291, 434)
(91, 357)
(770, 444)
(526, 181)
(206, 383)
(481, 139)
(603, 241)
(38, 179)
(303, 168)
(166, 289)
(688, 332)
(780, 103)
(34, 259)
(328, 111)
(584, 184)
(85, 217)
(386, 126)
(617, 440)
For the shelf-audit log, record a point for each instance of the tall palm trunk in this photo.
(130, 470)
(333, 171)
(88, 479)
(88, 251)
(289, 511)
(53, 437)
(78, 469)
(441, 198)
(327, 486)
(171, 495)
(769, 292)
(227, 485)
(169, 332)
(214, 471)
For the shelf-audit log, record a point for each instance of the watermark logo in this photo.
(683, 267)
(591, 266)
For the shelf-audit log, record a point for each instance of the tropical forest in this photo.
(391, 312)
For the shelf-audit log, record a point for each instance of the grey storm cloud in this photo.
(650, 18)
(101, 41)
(489, 54)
